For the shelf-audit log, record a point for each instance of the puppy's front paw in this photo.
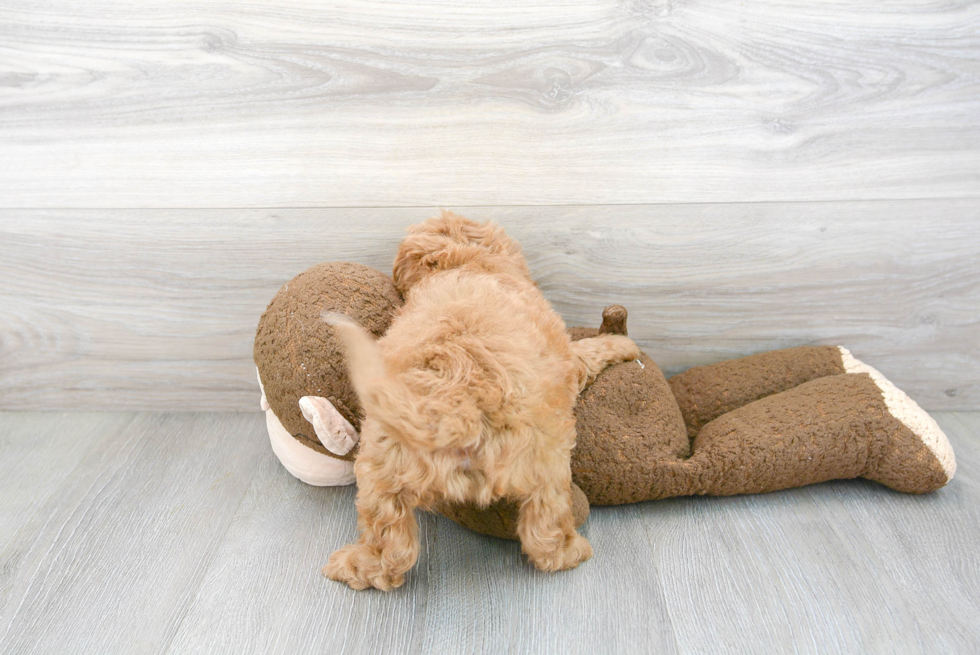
(361, 567)
(623, 347)
(574, 551)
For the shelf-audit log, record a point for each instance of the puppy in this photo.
(468, 397)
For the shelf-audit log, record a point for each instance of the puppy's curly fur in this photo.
(468, 397)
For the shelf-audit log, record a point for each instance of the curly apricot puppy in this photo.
(468, 397)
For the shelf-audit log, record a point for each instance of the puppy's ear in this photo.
(489, 235)
(450, 241)
(427, 248)
(418, 256)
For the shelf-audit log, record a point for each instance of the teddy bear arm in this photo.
(704, 393)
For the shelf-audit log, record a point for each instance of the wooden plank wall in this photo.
(157, 309)
(198, 103)
(741, 176)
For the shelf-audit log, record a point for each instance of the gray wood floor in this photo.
(180, 533)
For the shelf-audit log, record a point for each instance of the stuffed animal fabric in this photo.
(770, 421)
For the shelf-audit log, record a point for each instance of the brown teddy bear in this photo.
(770, 421)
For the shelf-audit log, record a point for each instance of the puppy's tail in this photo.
(365, 365)
(423, 422)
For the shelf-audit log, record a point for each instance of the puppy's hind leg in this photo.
(546, 526)
(389, 543)
(547, 536)
(593, 354)
(388, 546)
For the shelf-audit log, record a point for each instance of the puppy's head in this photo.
(450, 241)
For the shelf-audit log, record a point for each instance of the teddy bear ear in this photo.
(334, 431)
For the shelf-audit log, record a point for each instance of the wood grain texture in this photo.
(191, 103)
(468, 593)
(156, 309)
(613, 603)
(264, 592)
(111, 561)
(889, 565)
(181, 533)
(37, 453)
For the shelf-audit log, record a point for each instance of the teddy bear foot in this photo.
(918, 458)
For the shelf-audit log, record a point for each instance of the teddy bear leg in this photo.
(834, 427)
(704, 393)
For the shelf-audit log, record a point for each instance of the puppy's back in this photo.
(491, 338)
